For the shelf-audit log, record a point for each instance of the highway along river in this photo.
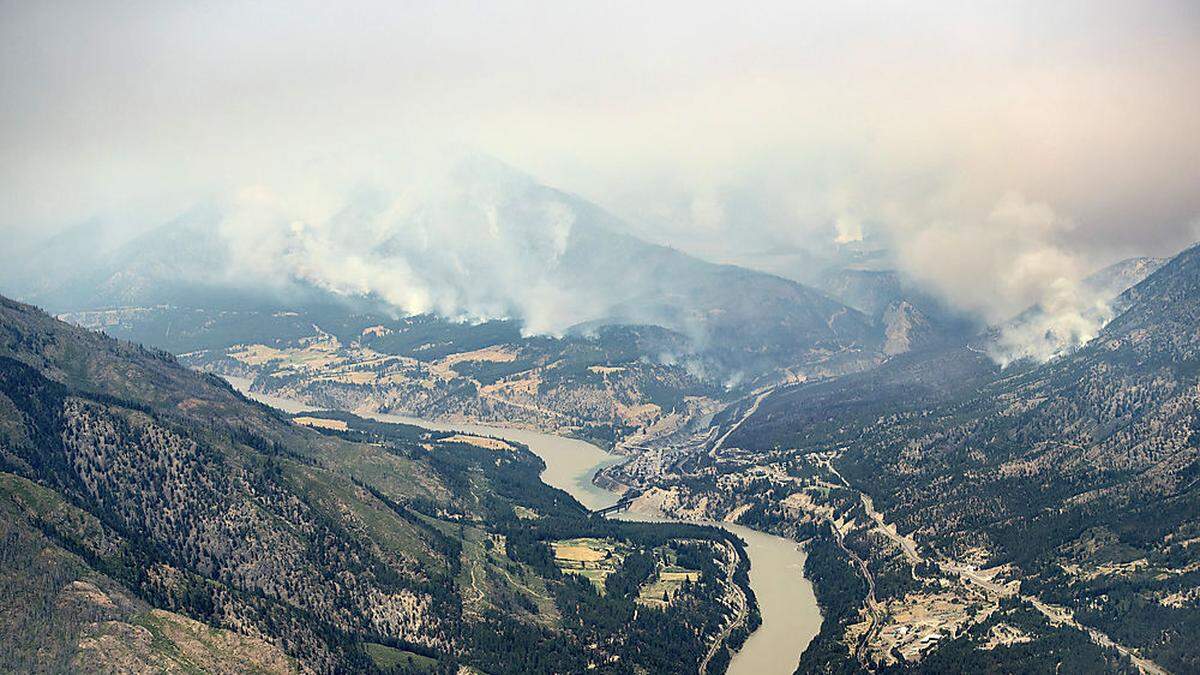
(790, 616)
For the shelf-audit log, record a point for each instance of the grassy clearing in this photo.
(525, 513)
(667, 583)
(593, 559)
(321, 422)
(582, 551)
(491, 581)
(480, 442)
(386, 657)
(379, 523)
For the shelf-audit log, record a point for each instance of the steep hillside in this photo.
(494, 298)
(623, 378)
(63, 615)
(1070, 317)
(910, 319)
(492, 244)
(1117, 278)
(608, 383)
(153, 497)
(961, 495)
(1161, 317)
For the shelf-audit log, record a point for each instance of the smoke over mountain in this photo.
(473, 240)
(480, 242)
(1010, 260)
(998, 153)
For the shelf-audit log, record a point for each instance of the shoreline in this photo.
(787, 602)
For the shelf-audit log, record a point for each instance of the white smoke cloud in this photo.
(849, 230)
(1069, 316)
(473, 240)
(997, 265)
(1012, 268)
(743, 137)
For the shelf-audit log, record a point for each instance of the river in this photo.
(790, 616)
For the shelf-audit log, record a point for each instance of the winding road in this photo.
(731, 565)
(967, 574)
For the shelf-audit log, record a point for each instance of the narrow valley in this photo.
(789, 613)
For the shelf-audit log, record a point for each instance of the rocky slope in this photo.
(165, 522)
(1038, 514)
(494, 244)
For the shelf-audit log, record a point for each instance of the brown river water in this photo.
(790, 616)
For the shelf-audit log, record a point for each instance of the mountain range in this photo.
(548, 306)
(512, 250)
(968, 505)
(964, 516)
(156, 520)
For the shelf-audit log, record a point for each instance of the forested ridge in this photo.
(964, 516)
(167, 497)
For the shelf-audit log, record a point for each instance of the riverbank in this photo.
(790, 615)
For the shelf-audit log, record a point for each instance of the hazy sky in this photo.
(1057, 134)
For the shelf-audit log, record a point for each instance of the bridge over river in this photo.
(790, 616)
